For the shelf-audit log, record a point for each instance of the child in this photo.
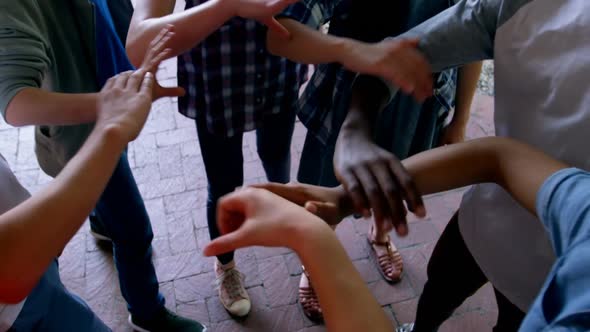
(560, 196)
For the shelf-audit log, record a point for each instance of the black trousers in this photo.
(453, 276)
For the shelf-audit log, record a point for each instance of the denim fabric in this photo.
(122, 212)
(224, 162)
(51, 307)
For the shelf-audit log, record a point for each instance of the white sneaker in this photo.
(230, 286)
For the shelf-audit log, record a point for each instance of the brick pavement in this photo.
(167, 164)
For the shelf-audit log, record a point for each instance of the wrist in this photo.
(345, 50)
(314, 232)
(111, 135)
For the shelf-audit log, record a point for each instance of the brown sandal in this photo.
(391, 264)
(309, 301)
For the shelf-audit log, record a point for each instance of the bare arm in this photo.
(396, 61)
(32, 106)
(36, 231)
(191, 26)
(195, 24)
(257, 217)
(518, 168)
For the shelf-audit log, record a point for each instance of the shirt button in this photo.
(258, 76)
(258, 100)
(261, 51)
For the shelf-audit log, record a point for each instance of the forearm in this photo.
(38, 107)
(518, 168)
(307, 45)
(36, 231)
(369, 95)
(190, 26)
(346, 302)
(467, 79)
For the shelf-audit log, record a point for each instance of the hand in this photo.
(158, 52)
(452, 133)
(262, 11)
(397, 61)
(330, 204)
(376, 179)
(256, 217)
(125, 102)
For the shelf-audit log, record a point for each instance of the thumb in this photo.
(226, 243)
(325, 211)
(169, 92)
(277, 28)
(148, 84)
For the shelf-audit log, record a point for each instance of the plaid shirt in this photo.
(323, 105)
(233, 81)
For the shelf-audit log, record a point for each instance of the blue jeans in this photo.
(124, 217)
(51, 307)
(224, 162)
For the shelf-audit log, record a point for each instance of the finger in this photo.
(277, 28)
(353, 186)
(293, 193)
(224, 244)
(110, 83)
(169, 92)
(408, 189)
(156, 44)
(372, 192)
(388, 187)
(325, 211)
(148, 84)
(121, 79)
(135, 80)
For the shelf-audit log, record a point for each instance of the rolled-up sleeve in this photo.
(313, 13)
(24, 61)
(462, 34)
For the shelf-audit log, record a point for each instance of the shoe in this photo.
(97, 229)
(308, 299)
(166, 321)
(232, 293)
(408, 327)
(390, 263)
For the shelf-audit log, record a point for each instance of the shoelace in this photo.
(231, 280)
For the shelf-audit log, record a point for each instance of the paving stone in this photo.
(194, 310)
(281, 288)
(170, 161)
(163, 187)
(189, 200)
(179, 266)
(176, 136)
(195, 288)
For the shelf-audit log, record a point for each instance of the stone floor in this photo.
(167, 165)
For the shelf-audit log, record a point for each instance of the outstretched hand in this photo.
(125, 102)
(329, 204)
(257, 217)
(396, 61)
(158, 51)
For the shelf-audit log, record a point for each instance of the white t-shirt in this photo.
(541, 51)
(12, 193)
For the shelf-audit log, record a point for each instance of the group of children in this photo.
(67, 67)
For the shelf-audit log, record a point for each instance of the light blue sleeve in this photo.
(563, 205)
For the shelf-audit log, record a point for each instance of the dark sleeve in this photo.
(313, 13)
(121, 12)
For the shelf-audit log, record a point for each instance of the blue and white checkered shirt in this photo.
(233, 81)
